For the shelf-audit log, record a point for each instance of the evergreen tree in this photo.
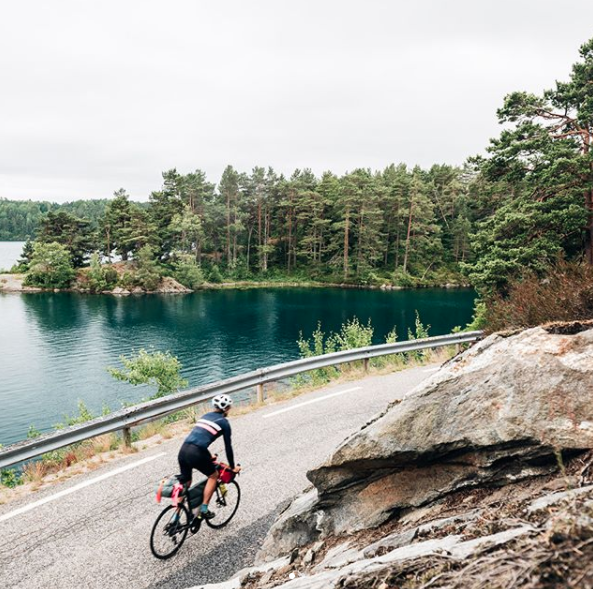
(423, 246)
(164, 205)
(396, 187)
(75, 234)
(115, 226)
(542, 166)
(229, 192)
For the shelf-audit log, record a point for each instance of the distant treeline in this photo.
(19, 219)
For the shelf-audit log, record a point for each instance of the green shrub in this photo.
(50, 266)
(100, 278)
(33, 433)
(479, 319)
(420, 331)
(127, 280)
(187, 271)
(215, 276)
(83, 416)
(155, 368)
(10, 478)
(401, 278)
(351, 335)
(148, 273)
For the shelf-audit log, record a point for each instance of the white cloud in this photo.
(96, 96)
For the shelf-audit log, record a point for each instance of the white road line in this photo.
(78, 487)
(312, 401)
(431, 369)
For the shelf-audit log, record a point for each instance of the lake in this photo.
(10, 252)
(55, 347)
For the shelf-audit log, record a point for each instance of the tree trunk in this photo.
(295, 244)
(408, 235)
(359, 242)
(249, 245)
(289, 242)
(259, 235)
(228, 228)
(589, 229)
(108, 244)
(266, 235)
(346, 239)
(235, 234)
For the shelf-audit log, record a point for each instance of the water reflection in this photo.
(55, 347)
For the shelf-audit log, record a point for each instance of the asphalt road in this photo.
(97, 536)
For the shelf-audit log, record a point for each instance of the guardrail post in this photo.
(127, 437)
(366, 364)
(260, 393)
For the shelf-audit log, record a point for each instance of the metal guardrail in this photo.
(128, 417)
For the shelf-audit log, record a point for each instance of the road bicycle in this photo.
(175, 521)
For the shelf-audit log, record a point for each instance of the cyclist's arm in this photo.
(228, 447)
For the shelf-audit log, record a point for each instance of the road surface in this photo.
(93, 530)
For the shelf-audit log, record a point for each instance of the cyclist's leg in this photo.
(206, 466)
(186, 459)
(209, 489)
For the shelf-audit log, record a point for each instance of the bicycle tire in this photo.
(177, 534)
(222, 517)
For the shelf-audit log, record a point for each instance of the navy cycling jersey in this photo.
(210, 427)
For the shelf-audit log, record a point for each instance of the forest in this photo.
(521, 207)
(399, 220)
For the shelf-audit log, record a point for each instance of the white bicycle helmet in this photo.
(222, 402)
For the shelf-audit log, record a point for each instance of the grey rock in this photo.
(118, 290)
(439, 524)
(465, 549)
(554, 498)
(339, 556)
(399, 539)
(299, 525)
(312, 553)
(391, 542)
(353, 574)
(494, 415)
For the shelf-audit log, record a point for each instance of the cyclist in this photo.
(194, 452)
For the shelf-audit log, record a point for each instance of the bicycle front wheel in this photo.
(224, 504)
(169, 531)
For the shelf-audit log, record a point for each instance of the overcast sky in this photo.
(100, 95)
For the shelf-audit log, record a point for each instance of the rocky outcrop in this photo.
(169, 285)
(15, 283)
(489, 538)
(510, 408)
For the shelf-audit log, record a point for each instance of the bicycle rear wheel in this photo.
(224, 504)
(169, 531)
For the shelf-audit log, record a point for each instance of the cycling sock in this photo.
(204, 508)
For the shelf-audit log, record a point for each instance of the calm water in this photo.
(10, 252)
(54, 348)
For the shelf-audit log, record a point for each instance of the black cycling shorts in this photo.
(192, 456)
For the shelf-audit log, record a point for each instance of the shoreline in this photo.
(13, 283)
